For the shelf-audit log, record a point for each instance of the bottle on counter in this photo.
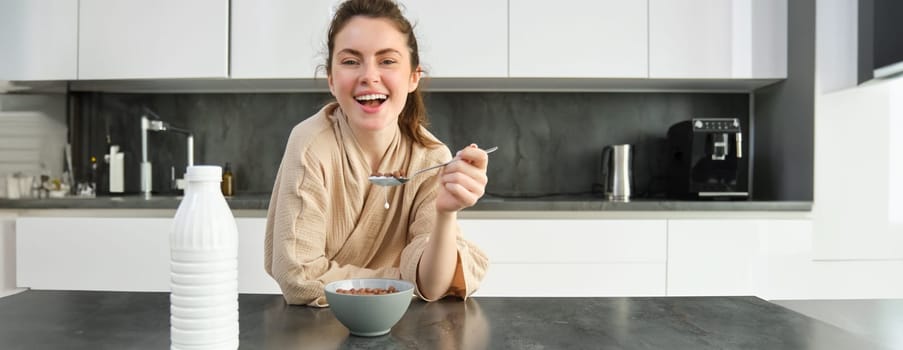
(204, 266)
(116, 159)
(92, 182)
(228, 185)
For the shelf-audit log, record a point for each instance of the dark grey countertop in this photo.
(132, 320)
(487, 203)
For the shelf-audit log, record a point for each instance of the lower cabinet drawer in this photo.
(528, 257)
(574, 280)
(118, 254)
(569, 241)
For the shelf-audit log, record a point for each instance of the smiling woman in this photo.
(326, 222)
(368, 74)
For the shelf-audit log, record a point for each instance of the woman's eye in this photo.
(388, 61)
(349, 62)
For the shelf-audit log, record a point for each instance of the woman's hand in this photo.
(463, 182)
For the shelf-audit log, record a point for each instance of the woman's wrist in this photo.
(444, 216)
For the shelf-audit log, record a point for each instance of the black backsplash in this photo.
(549, 143)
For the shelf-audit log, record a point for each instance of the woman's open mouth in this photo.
(371, 101)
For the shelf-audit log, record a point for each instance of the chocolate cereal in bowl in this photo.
(369, 307)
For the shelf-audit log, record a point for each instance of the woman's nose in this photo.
(370, 74)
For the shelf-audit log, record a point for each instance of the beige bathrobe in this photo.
(326, 222)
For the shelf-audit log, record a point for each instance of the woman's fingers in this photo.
(471, 163)
(474, 155)
(462, 194)
(465, 180)
(474, 185)
(463, 168)
(468, 175)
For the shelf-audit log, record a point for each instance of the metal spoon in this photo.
(389, 181)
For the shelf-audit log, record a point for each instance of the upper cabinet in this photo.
(153, 39)
(625, 43)
(38, 39)
(578, 39)
(279, 38)
(456, 41)
(287, 39)
(718, 39)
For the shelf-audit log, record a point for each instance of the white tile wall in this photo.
(30, 142)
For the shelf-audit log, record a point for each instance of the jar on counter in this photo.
(228, 184)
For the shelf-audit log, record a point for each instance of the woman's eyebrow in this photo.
(350, 51)
(385, 51)
(359, 54)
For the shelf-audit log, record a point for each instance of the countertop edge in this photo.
(488, 209)
(486, 204)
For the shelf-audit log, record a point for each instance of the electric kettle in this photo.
(617, 172)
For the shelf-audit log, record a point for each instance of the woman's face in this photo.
(371, 73)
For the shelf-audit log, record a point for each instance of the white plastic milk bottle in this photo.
(204, 266)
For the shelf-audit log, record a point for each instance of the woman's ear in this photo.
(331, 88)
(415, 79)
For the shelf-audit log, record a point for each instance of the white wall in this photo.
(51, 107)
(7, 255)
(835, 44)
(858, 208)
(34, 130)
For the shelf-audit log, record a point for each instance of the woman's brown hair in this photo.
(413, 116)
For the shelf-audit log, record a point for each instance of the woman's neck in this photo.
(374, 144)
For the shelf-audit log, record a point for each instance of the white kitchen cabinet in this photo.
(718, 39)
(714, 257)
(767, 258)
(159, 39)
(38, 39)
(858, 173)
(574, 280)
(287, 39)
(770, 258)
(279, 38)
(461, 39)
(119, 254)
(528, 257)
(252, 277)
(93, 253)
(578, 39)
(571, 257)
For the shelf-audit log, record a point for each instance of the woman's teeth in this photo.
(371, 97)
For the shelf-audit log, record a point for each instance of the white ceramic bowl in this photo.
(369, 315)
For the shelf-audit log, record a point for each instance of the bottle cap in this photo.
(204, 173)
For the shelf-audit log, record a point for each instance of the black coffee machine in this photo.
(707, 160)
